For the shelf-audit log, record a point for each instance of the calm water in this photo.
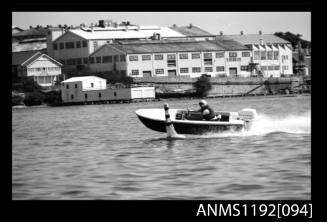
(104, 152)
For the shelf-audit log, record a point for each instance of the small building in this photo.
(94, 89)
(16, 29)
(44, 69)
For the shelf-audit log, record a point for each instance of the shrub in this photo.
(33, 99)
(202, 86)
(53, 98)
(29, 85)
(16, 99)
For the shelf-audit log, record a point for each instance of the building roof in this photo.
(81, 78)
(192, 31)
(18, 58)
(31, 46)
(17, 28)
(120, 33)
(165, 47)
(36, 56)
(247, 39)
(35, 32)
(229, 44)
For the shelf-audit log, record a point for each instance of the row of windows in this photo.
(185, 70)
(75, 85)
(43, 69)
(92, 60)
(86, 96)
(186, 56)
(70, 45)
(266, 55)
(269, 68)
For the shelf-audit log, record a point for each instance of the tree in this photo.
(294, 39)
(202, 86)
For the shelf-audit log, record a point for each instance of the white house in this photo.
(44, 69)
(93, 88)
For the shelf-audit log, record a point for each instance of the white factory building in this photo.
(172, 58)
(94, 89)
(272, 56)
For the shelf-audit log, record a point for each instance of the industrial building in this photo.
(94, 89)
(172, 58)
(272, 56)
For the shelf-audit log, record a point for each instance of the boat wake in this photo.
(265, 124)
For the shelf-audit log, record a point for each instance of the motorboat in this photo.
(192, 122)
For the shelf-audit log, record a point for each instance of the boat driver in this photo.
(207, 112)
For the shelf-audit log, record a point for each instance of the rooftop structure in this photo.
(192, 31)
(247, 39)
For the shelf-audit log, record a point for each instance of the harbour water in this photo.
(104, 152)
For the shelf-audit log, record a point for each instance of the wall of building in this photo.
(79, 95)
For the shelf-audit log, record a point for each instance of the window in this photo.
(78, 44)
(183, 70)
(122, 58)
(106, 59)
(208, 69)
(71, 61)
(171, 56)
(55, 46)
(84, 44)
(245, 54)
(146, 57)
(135, 72)
(195, 55)
(158, 57)
(91, 60)
(79, 61)
(115, 94)
(276, 67)
(263, 55)
(85, 60)
(75, 86)
(85, 95)
(70, 45)
(257, 55)
(100, 95)
(196, 69)
(208, 55)
(67, 86)
(133, 58)
(220, 55)
(233, 54)
(72, 97)
(171, 60)
(263, 68)
(244, 68)
(207, 58)
(98, 59)
(116, 57)
(159, 71)
(95, 45)
(276, 55)
(270, 55)
(220, 68)
(270, 67)
(61, 45)
(92, 84)
(183, 56)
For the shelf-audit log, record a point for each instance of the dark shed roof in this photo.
(191, 31)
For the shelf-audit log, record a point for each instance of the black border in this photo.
(134, 209)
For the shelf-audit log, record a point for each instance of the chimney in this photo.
(190, 26)
(221, 33)
(101, 23)
(242, 32)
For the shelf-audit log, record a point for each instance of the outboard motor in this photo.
(248, 115)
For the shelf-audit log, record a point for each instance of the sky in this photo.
(213, 22)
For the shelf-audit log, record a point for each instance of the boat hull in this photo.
(188, 127)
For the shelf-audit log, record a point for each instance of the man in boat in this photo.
(207, 112)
